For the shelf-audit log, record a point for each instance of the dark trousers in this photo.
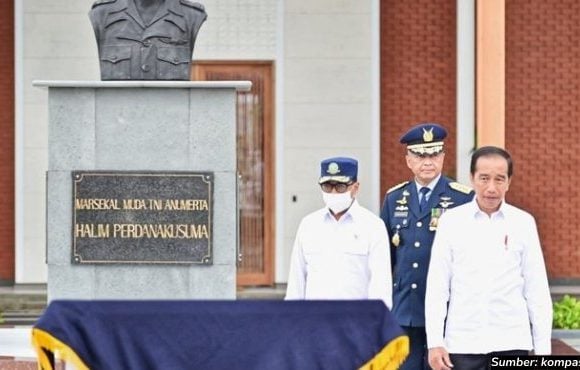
(462, 361)
(417, 359)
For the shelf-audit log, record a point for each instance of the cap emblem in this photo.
(428, 135)
(333, 168)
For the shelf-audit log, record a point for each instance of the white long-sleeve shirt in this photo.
(344, 259)
(491, 271)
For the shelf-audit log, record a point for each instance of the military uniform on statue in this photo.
(146, 39)
(411, 211)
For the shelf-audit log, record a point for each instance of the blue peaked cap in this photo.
(339, 169)
(425, 138)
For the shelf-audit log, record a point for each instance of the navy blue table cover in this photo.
(213, 335)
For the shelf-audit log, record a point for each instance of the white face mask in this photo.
(337, 202)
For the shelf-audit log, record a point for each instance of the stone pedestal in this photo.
(141, 126)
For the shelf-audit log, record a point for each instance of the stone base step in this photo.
(18, 318)
(10, 302)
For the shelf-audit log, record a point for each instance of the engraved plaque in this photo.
(142, 217)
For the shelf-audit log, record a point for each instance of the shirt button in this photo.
(146, 67)
(413, 286)
(146, 43)
(417, 244)
(114, 57)
(419, 224)
(415, 265)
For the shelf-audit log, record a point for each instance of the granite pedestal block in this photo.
(142, 126)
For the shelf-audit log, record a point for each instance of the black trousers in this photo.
(462, 361)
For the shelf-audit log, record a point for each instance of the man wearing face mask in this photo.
(341, 251)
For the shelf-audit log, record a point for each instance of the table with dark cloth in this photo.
(212, 335)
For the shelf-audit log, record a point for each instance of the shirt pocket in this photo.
(173, 63)
(514, 249)
(353, 259)
(355, 245)
(115, 62)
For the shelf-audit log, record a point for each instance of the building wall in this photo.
(417, 78)
(7, 139)
(542, 123)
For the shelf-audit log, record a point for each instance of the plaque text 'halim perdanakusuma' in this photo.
(136, 217)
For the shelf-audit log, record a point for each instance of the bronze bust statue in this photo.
(146, 39)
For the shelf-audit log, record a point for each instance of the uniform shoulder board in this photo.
(192, 4)
(102, 2)
(460, 187)
(398, 186)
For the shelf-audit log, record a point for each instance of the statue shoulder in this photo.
(398, 186)
(193, 4)
(103, 2)
(460, 187)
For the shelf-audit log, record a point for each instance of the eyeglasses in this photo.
(340, 187)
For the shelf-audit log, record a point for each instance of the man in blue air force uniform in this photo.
(410, 212)
(146, 39)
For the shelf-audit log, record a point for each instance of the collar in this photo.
(430, 185)
(163, 9)
(478, 213)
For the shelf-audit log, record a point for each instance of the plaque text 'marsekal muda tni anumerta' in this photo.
(137, 217)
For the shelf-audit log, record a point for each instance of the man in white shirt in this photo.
(487, 289)
(341, 251)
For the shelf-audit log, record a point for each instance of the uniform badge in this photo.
(460, 187)
(403, 200)
(446, 202)
(396, 239)
(435, 214)
(333, 168)
(402, 204)
(428, 135)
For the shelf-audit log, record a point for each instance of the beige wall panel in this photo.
(326, 124)
(34, 268)
(238, 30)
(333, 80)
(57, 6)
(327, 36)
(58, 35)
(327, 7)
(36, 130)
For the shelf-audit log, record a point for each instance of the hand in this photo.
(439, 359)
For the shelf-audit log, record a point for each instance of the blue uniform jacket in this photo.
(411, 234)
